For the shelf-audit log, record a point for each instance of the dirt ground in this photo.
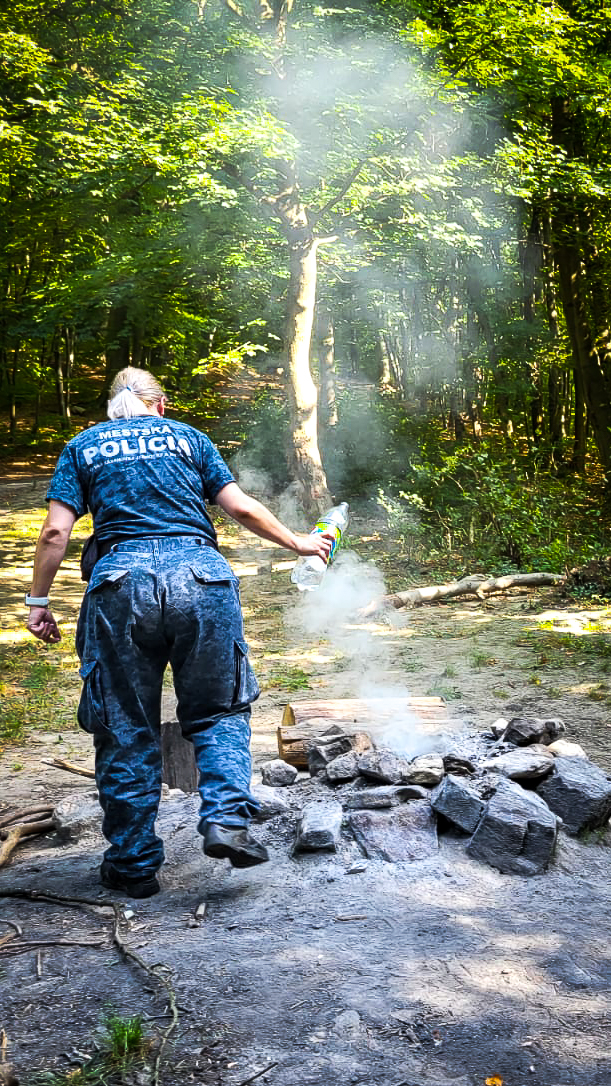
(432, 973)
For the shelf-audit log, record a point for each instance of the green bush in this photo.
(265, 437)
(488, 504)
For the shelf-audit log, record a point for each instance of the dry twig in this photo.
(252, 1078)
(59, 763)
(15, 834)
(13, 924)
(24, 814)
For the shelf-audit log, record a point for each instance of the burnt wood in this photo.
(178, 766)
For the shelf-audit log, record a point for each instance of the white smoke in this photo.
(332, 612)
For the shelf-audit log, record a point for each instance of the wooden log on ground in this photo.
(305, 722)
(179, 769)
(478, 586)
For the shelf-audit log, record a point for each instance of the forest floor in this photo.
(436, 972)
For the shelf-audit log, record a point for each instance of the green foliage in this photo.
(404, 514)
(124, 1049)
(495, 506)
(263, 431)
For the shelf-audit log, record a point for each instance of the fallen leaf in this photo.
(494, 1081)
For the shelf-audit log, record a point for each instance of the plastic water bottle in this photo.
(309, 570)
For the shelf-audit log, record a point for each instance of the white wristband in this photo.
(36, 601)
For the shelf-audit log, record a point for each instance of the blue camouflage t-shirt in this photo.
(140, 477)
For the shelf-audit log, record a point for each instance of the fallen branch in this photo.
(258, 1074)
(14, 835)
(34, 944)
(476, 585)
(13, 924)
(25, 814)
(59, 763)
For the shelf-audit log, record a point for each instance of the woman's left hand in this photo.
(42, 624)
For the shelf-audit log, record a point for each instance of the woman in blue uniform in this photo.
(160, 592)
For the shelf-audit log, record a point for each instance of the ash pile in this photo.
(507, 792)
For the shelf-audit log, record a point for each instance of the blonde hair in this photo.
(131, 389)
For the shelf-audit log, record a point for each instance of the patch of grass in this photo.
(595, 837)
(556, 650)
(598, 693)
(482, 659)
(125, 1047)
(126, 1039)
(449, 672)
(410, 665)
(442, 690)
(498, 693)
(290, 678)
(35, 692)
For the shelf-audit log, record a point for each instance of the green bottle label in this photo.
(329, 529)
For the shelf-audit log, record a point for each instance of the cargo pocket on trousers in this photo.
(91, 713)
(246, 687)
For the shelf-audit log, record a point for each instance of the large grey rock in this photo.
(271, 802)
(459, 802)
(77, 814)
(523, 764)
(563, 748)
(387, 795)
(384, 766)
(324, 750)
(278, 773)
(579, 792)
(427, 770)
(343, 768)
(320, 826)
(400, 835)
(523, 730)
(516, 833)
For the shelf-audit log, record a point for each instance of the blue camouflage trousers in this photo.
(151, 602)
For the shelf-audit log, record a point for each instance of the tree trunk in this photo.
(475, 294)
(556, 406)
(301, 389)
(68, 369)
(60, 389)
(13, 393)
(385, 374)
(327, 398)
(588, 342)
(530, 254)
(580, 429)
(117, 351)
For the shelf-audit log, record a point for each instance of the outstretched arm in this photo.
(50, 551)
(257, 518)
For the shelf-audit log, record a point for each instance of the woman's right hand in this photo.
(317, 543)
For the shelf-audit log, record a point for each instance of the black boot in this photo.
(126, 884)
(230, 843)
